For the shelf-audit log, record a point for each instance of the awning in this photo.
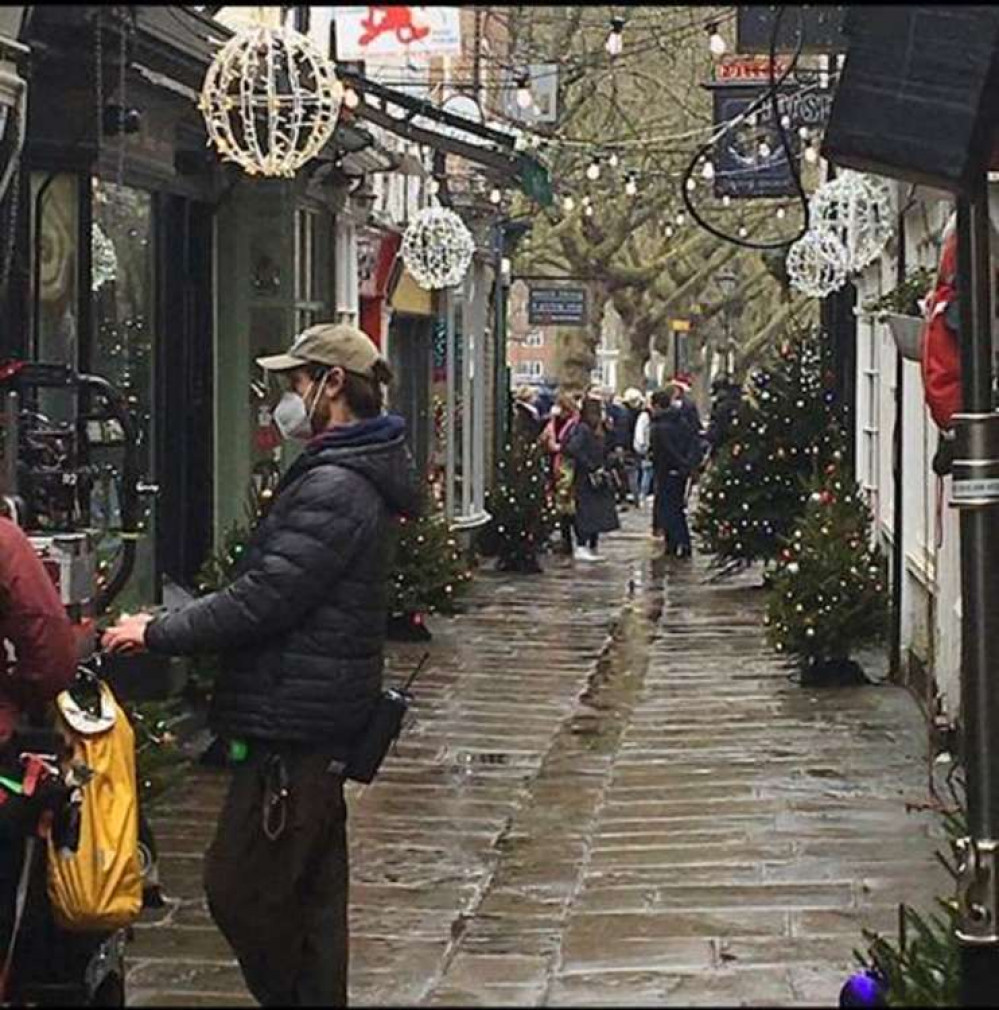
(422, 122)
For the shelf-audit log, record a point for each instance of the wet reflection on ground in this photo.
(611, 794)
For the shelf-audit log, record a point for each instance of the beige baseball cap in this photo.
(333, 344)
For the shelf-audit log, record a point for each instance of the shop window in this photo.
(123, 352)
(55, 234)
(311, 270)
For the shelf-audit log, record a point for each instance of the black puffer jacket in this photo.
(301, 629)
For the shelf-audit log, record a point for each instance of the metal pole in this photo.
(447, 302)
(976, 493)
(467, 432)
(479, 331)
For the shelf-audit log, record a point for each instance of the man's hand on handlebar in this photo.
(128, 635)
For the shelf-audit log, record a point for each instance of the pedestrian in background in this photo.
(564, 418)
(301, 633)
(634, 404)
(676, 452)
(526, 418)
(640, 444)
(726, 398)
(617, 442)
(596, 512)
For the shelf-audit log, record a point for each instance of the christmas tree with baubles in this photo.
(785, 433)
(429, 574)
(523, 515)
(828, 591)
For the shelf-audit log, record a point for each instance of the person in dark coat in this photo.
(726, 398)
(676, 452)
(527, 424)
(301, 634)
(596, 512)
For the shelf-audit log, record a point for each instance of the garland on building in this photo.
(828, 591)
(785, 432)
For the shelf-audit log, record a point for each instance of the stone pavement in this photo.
(611, 795)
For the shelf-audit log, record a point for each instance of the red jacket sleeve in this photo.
(34, 622)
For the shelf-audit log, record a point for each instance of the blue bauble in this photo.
(866, 988)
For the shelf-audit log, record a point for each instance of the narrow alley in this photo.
(611, 795)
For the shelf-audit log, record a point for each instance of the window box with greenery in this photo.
(901, 309)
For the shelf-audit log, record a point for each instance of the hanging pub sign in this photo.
(556, 306)
(749, 159)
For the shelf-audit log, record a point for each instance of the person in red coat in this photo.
(38, 646)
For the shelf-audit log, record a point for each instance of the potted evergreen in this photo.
(902, 310)
(829, 589)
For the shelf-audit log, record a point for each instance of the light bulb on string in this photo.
(587, 200)
(593, 170)
(613, 160)
(351, 99)
(433, 187)
(495, 195)
(691, 184)
(708, 170)
(743, 231)
(781, 213)
(764, 150)
(568, 204)
(804, 132)
(726, 200)
(588, 210)
(669, 231)
(615, 42)
(524, 97)
(716, 42)
(785, 121)
(680, 218)
(631, 186)
(811, 155)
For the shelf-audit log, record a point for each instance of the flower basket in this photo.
(908, 334)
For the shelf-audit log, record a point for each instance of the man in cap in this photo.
(301, 633)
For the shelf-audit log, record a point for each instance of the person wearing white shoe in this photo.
(596, 512)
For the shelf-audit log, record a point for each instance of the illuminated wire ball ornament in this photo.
(857, 210)
(817, 264)
(437, 248)
(270, 100)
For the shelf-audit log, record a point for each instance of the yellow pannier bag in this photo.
(99, 885)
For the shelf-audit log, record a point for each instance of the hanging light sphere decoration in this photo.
(857, 210)
(437, 248)
(817, 264)
(270, 100)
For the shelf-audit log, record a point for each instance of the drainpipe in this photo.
(898, 553)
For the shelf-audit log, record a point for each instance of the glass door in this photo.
(123, 305)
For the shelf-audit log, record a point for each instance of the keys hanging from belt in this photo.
(276, 792)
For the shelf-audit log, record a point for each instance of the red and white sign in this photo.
(749, 68)
(380, 32)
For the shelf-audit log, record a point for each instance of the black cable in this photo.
(769, 96)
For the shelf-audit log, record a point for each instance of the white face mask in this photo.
(292, 418)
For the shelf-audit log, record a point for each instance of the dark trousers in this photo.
(565, 525)
(674, 511)
(282, 902)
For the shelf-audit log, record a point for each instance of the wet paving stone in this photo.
(596, 805)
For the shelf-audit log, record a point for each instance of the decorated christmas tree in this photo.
(784, 433)
(429, 574)
(523, 515)
(828, 591)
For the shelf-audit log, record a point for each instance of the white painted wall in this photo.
(931, 584)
